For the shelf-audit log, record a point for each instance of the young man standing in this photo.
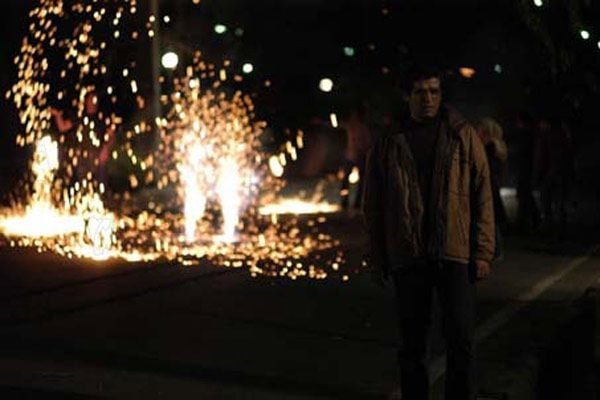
(429, 211)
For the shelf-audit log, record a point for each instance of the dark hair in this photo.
(419, 72)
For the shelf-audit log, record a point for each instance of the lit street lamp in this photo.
(170, 60)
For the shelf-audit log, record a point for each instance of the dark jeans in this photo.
(455, 286)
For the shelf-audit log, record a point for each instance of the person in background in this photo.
(526, 146)
(358, 143)
(79, 135)
(556, 172)
(492, 136)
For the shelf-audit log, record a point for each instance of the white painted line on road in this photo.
(499, 319)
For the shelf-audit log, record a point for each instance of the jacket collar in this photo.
(448, 115)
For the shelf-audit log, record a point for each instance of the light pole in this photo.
(156, 109)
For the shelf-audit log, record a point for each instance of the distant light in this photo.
(354, 176)
(326, 85)
(467, 72)
(508, 192)
(334, 120)
(498, 68)
(170, 60)
(585, 35)
(538, 3)
(598, 44)
(220, 29)
(349, 51)
(134, 87)
(239, 32)
(166, 19)
(247, 68)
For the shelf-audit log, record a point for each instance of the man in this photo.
(429, 211)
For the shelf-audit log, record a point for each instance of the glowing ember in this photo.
(40, 220)
(299, 206)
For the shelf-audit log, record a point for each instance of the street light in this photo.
(538, 3)
(326, 85)
(467, 72)
(247, 68)
(585, 35)
(170, 60)
(220, 29)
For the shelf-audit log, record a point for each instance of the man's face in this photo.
(425, 99)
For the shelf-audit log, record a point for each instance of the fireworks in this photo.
(213, 189)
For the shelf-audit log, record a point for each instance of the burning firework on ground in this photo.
(213, 188)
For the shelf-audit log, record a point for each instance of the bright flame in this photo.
(83, 224)
(298, 206)
(41, 218)
(194, 179)
(39, 221)
(228, 189)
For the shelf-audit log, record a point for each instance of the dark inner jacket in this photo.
(459, 221)
(421, 138)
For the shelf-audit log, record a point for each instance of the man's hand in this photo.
(482, 268)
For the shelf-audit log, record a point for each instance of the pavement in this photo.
(81, 329)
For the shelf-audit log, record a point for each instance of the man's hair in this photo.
(419, 72)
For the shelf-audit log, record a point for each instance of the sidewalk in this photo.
(176, 332)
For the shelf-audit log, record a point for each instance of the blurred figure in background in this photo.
(78, 135)
(556, 171)
(358, 143)
(526, 156)
(492, 136)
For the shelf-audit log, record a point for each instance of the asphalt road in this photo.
(79, 329)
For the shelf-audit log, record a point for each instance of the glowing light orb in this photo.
(326, 85)
(170, 60)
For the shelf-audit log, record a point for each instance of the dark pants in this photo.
(455, 285)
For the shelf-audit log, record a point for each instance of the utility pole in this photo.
(156, 92)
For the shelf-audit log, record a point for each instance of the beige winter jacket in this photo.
(462, 216)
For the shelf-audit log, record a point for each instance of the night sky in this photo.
(525, 56)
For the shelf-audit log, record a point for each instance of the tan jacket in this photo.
(462, 216)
